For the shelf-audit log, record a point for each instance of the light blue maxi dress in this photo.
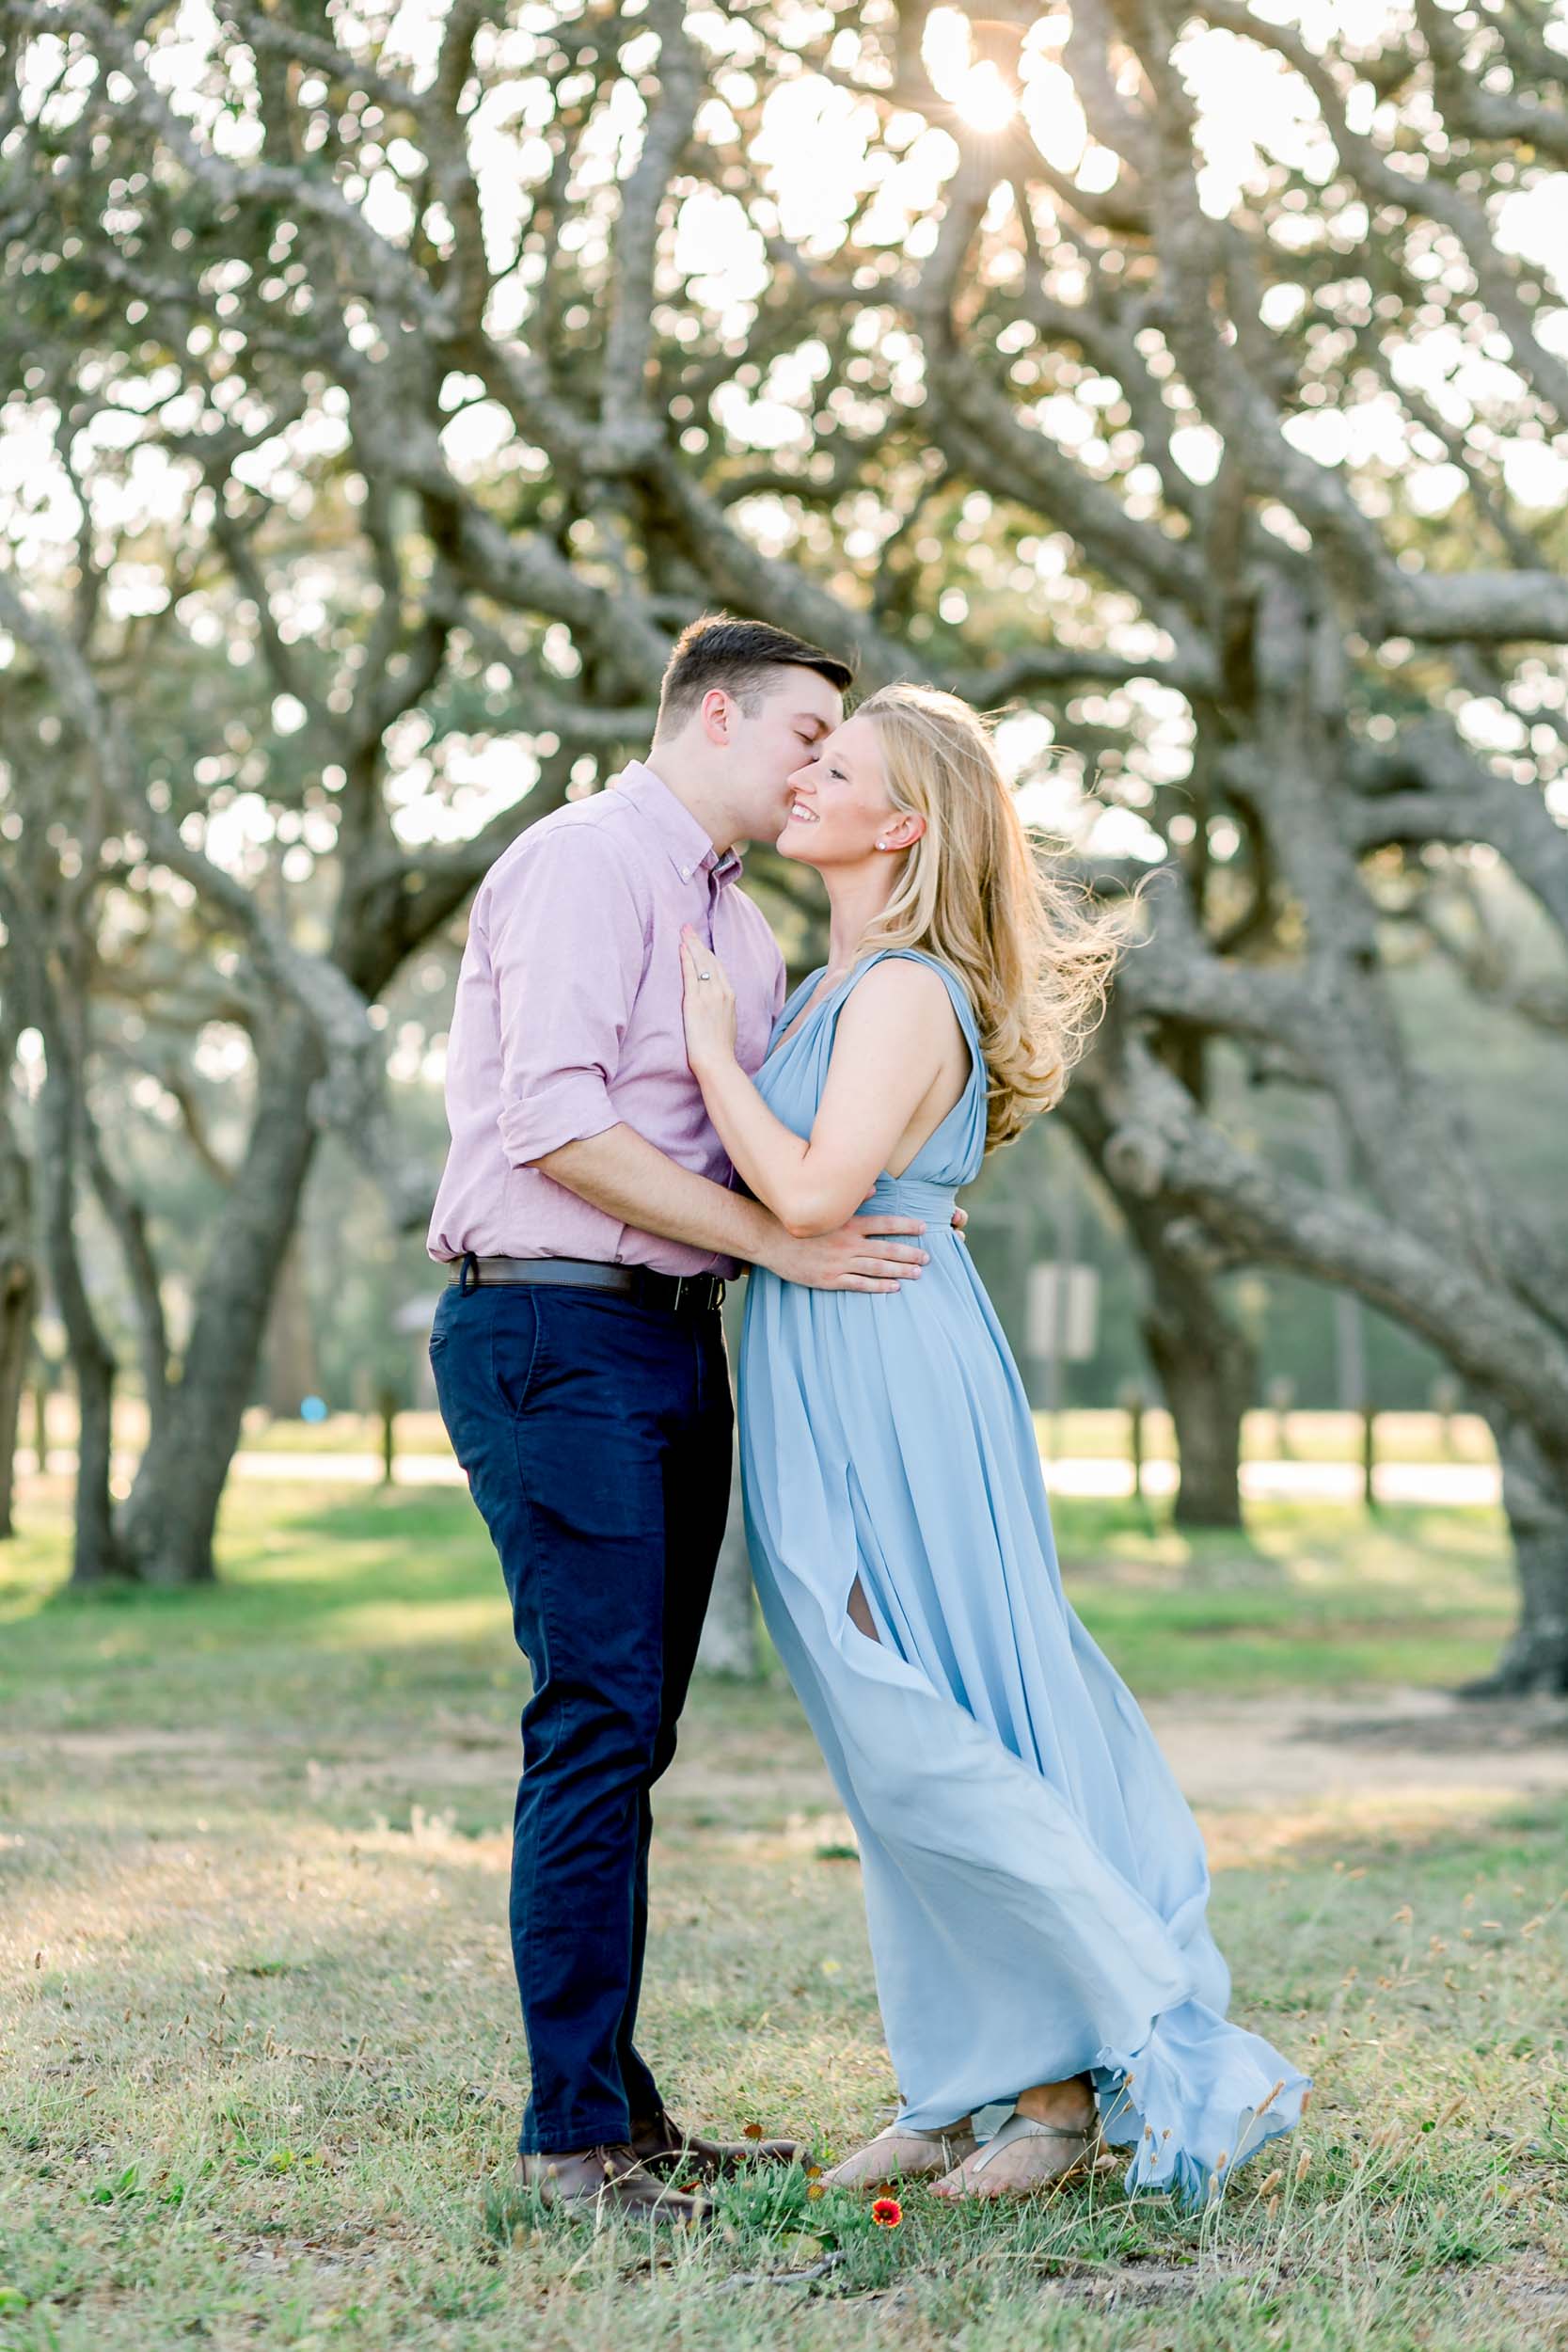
(1036, 1884)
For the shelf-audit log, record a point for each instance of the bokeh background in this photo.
(381, 391)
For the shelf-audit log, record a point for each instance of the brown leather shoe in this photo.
(604, 2182)
(662, 2146)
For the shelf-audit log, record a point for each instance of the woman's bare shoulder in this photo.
(896, 994)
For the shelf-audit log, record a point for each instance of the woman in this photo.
(1034, 1884)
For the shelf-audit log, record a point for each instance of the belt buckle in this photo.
(706, 1289)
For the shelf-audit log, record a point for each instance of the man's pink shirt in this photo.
(568, 1022)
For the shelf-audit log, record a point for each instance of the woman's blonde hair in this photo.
(1031, 949)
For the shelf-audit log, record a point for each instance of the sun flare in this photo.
(984, 99)
(974, 87)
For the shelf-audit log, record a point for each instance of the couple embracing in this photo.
(637, 1111)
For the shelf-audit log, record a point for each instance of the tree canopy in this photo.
(1190, 383)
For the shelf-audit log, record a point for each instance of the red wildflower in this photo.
(887, 2213)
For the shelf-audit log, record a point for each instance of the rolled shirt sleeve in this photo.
(568, 940)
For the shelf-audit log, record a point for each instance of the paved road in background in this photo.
(1101, 1477)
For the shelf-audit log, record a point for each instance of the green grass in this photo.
(371, 1596)
(258, 2043)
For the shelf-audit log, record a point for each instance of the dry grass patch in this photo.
(262, 2071)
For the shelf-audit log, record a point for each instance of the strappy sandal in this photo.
(962, 2183)
(906, 2154)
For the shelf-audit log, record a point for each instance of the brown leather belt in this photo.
(678, 1293)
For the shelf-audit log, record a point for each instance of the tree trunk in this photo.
(17, 1303)
(1535, 1497)
(169, 1520)
(96, 1553)
(292, 1371)
(729, 1644)
(18, 1273)
(1207, 1366)
(18, 1290)
(1208, 1370)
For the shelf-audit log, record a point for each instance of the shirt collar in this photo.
(682, 839)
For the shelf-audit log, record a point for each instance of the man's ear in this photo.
(717, 712)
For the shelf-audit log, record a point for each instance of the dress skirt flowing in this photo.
(1036, 1886)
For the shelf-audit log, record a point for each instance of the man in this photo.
(590, 1220)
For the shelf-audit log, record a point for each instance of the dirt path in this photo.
(1252, 1750)
(1388, 1755)
(1267, 1774)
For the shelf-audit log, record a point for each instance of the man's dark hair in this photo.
(719, 650)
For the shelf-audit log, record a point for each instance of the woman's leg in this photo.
(922, 2156)
(860, 1611)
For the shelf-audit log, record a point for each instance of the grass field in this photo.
(260, 2068)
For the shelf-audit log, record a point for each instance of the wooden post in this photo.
(1133, 1402)
(1447, 1395)
(387, 1405)
(1281, 1395)
(1369, 1454)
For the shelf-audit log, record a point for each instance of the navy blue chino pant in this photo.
(595, 1434)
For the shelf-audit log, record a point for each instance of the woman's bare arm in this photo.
(624, 1174)
(897, 1043)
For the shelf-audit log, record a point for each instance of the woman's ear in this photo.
(903, 833)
